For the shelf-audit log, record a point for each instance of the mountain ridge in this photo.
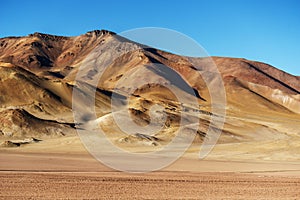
(49, 65)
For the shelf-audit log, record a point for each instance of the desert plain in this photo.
(43, 154)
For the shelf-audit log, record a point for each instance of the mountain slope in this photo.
(38, 75)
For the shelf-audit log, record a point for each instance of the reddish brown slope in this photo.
(51, 63)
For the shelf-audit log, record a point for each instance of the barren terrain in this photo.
(43, 157)
(166, 185)
(57, 172)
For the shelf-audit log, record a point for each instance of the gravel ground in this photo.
(158, 185)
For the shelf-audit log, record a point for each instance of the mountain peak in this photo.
(46, 36)
(99, 33)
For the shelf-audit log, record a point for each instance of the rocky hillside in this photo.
(38, 73)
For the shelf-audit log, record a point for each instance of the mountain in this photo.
(40, 71)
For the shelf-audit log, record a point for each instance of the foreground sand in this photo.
(63, 169)
(77, 175)
(159, 185)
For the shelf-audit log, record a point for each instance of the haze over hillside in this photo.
(38, 76)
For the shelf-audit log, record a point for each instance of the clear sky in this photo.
(262, 30)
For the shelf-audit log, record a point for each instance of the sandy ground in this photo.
(159, 185)
(67, 171)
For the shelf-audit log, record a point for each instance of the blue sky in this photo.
(262, 30)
